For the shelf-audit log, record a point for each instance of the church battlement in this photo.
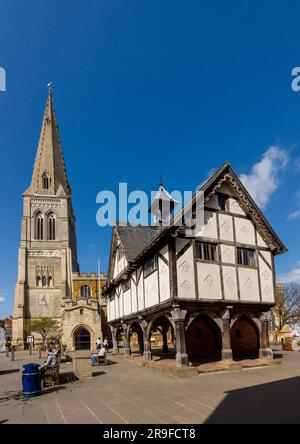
(91, 275)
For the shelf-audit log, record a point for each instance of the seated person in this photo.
(51, 361)
(102, 354)
(94, 358)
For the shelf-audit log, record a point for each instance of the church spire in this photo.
(49, 173)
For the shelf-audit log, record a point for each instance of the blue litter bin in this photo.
(31, 380)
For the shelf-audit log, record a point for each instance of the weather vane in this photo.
(161, 179)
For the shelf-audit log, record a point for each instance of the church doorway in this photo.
(82, 339)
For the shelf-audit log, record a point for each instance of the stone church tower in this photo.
(48, 248)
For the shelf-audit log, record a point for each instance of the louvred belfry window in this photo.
(51, 226)
(39, 226)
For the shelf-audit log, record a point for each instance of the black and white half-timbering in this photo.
(207, 296)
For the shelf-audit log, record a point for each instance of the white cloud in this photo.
(2, 299)
(291, 276)
(263, 179)
(294, 215)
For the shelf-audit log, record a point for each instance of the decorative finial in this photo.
(49, 87)
(160, 180)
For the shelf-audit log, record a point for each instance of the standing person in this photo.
(98, 344)
(106, 344)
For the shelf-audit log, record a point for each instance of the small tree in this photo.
(44, 326)
(287, 308)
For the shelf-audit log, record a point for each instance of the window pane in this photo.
(206, 251)
(245, 256)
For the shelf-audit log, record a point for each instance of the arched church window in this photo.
(50, 281)
(44, 281)
(51, 226)
(38, 281)
(39, 226)
(85, 291)
(46, 181)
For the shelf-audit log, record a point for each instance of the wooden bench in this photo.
(51, 374)
(102, 359)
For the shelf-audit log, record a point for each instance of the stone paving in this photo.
(127, 393)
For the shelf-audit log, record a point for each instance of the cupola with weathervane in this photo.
(162, 206)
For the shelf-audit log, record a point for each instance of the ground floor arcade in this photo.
(195, 331)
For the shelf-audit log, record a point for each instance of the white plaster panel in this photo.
(244, 230)
(164, 280)
(140, 292)
(113, 308)
(235, 207)
(268, 256)
(151, 290)
(228, 254)
(248, 279)
(117, 302)
(133, 297)
(210, 225)
(226, 227)
(185, 274)
(121, 305)
(165, 252)
(230, 284)
(127, 302)
(120, 265)
(266, 282)
(260, 241)
(209, 282)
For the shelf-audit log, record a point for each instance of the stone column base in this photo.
(147, 355)
(127, 351)
(182, 360)
(226, 354)
(265, 353)
(115, 350)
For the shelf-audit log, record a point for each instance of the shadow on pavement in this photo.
(271, 403)
(98, 373)
(6, 372)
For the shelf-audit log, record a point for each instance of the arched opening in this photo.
(45, 181)
(82, 339)
(39, 226)
(136, 338)
(85, 291)
(162, 339)
(203, 339)
(244, 338)
(44, 281)
(51, 226)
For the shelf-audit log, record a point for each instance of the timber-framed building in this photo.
(212, 291)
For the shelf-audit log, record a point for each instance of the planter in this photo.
(291, 346)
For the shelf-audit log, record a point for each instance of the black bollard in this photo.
(30, 349)
(12, 354)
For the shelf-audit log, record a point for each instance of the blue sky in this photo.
(147, 87)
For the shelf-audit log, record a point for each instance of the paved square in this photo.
(126, 393)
